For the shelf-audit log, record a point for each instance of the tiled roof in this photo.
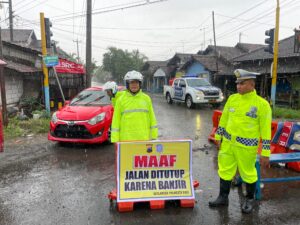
(152, 66)
(181, 58)
(21, 67)
(285, 50)
(209, 62)
(19, 35)
(247, 47)
(229, 53)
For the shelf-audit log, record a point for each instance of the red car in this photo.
(86, 119)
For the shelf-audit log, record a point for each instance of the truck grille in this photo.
(211, 93)
(74, 131)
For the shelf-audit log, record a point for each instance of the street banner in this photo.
(67, 67)
(154, 170)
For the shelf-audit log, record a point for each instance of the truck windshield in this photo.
(197, 82)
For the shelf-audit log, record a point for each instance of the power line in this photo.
(250, 21)
(127, 6)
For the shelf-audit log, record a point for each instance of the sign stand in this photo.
(153, 172)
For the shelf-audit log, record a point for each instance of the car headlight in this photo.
(54, 118)
(97, 119)
(221, 95)
(199, 95)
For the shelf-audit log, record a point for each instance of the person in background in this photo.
(111, 89)
(246, 119)
(134, 118)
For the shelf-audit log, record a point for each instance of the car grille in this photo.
(73, 131)
(211, 93)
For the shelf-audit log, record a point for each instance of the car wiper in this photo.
(95, 100)
(81, 98)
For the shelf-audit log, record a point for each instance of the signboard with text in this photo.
(68, 67)
(50, 60)
(154, 170)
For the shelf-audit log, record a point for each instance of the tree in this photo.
(101, 75)
(118, 62)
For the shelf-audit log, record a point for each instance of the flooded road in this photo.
(46, 183)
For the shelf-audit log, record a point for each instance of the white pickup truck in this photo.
(193, 90)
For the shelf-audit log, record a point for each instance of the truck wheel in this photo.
(189, 102)
(169, 99)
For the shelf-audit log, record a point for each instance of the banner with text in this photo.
(154, 170)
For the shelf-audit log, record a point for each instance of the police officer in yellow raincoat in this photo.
(112, 91)
(246, 119)
(134, 118)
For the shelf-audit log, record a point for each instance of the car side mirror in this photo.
(67, 102)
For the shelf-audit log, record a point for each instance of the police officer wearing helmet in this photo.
(134, 118)
(111, 89)
(246, 119)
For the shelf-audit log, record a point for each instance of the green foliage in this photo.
(30, 104)
(43, 113)
(18, 128)
(118, 62)
(286, 113)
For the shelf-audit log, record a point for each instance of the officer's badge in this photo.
(149, 148)
(253, 112)
(159, 148)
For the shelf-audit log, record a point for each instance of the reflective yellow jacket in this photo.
(134, 118)
(115, 98)
(245, 120)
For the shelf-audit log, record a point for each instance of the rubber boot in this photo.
(222, 199)
(248, 205)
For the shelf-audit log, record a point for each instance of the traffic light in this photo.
(270, 40)
(48, 32)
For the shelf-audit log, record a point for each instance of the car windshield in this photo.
(91, 98)
(197, 82)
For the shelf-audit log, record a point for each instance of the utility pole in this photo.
(2, 87)
(240, 37)
(77, 41)
(213, 17)
(45, 69)
(11, 21)
(88, 57)
(10, 18)
(275, 58)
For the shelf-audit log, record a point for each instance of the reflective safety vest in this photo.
(115, 98)
(245, 120)
(134, 118)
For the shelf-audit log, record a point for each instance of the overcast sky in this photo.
(159, 29)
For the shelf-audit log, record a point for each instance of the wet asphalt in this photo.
(47, 183)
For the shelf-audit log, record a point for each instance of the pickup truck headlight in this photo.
(221, 95)
(54, 118)
(199, 95)
(97, 119)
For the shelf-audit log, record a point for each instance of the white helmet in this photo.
(133, 75)
(111, 85)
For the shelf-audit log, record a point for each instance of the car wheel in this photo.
(189, 102)
(169, 99)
